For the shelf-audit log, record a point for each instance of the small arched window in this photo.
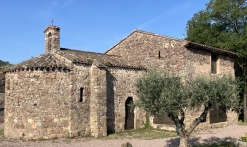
(49, 35)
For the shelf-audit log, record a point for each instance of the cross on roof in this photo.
(52, 22)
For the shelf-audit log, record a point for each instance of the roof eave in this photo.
(210, 49)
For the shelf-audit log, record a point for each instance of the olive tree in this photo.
(163, 93)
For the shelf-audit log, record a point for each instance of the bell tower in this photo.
(52, 39)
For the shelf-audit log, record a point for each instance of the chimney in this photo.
(52, 39)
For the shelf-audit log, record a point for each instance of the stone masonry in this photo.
(178, 56)
(66, 92)
(37, 104)
(166, 53)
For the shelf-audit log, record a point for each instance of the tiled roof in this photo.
(43, 61)
(189, 44)
(49, 60)
(103, 60)
(210, 49)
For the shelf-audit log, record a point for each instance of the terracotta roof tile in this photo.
(210, 49)
(43, 61)
(104, 60)
(49, 60)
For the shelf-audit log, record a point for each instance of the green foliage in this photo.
(161, 93)
(223, 24)
(222, 91)
(244, 139)
(164, 93)
(4, 64)
(147, 124)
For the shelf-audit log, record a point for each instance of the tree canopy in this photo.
(223, 24)
(3, 64)
(163, 93)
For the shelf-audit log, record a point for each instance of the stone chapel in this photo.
(71, 92)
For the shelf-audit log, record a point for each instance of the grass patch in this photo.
(148, 132)
(2, 132)
(219, 144)
(241, 123)
(42, 139)
(145, 133)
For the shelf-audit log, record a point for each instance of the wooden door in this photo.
(217, 115)
(164, 119)
(213, 114)
(129, 115)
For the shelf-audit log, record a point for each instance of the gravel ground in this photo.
(232, 132)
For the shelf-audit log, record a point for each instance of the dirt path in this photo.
(232, 132)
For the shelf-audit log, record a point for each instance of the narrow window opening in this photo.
(81, 95)
(49, 35)
(49, 41)
(214, 59)
(159, 54)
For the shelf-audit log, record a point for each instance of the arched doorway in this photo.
(129, 115)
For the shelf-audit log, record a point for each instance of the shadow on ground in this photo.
(174, 142)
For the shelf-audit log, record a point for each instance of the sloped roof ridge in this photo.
(143, 32)
(212, 49)
(159, 35)
(46, 60)
(206, 47)
(121, 41)
(104, 60)
(69, 49)
(202, 45)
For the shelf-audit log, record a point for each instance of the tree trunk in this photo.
(184, 141)
(245, 109)
(244, 101)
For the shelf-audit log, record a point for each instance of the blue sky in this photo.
(89, 25)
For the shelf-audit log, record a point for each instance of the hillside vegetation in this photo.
(3, 65)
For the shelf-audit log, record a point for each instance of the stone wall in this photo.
(144, 49)
(120, 86)
(226, 65)
(80, 111)
(46, 104)
(37, 104)
(199, 63)
(166, 53)
(98, 102)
